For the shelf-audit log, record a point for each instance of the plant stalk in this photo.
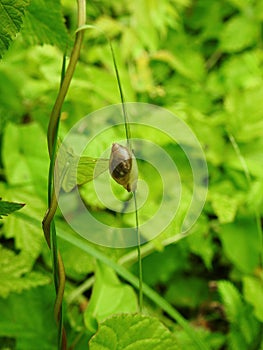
(48, 223)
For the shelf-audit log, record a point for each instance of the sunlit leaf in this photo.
(28, 317)
(225, 206)
(15, 274)
(44, 24)
(253, 291)
(243, 231)
(24, 157)
(89, 168)
(244, 326)
(109, 296)
(239, 33)
(74, 170)
(28, 237)
(133, 332)
(11, 17)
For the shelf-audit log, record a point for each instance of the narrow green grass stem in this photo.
(139, 252)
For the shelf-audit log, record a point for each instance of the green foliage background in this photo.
(202, 60)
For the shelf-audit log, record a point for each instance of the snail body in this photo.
(123, 167)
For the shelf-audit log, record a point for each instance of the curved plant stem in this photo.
(48, 223)
(68, 76)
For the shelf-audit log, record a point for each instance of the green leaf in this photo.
(242, 71)
(187, 292)
(11, 108)
(246, 123)
(109, 296)
(225, 207)
(77, 263)
(145, 26)
(251, 155)
(244, 328)
(239, 33)
(74, 170)
(25, 159)
(89, 168)
(240, 4)
(44, 24)
(29, 318)
(104, 85)
(150, 293)
(255, 196)
(15, 275)
(253, 292)
(187, 62)
(9, 207)
(201, 242)
(106, 24)
(135, 332)
(245, 254)
(28, 237)
(231, 299)
(159, 267)
(11, 17)
(216, 340)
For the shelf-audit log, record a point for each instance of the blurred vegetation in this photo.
(203, 61)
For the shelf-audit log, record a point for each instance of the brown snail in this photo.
(123, 167)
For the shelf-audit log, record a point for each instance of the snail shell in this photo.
(123, 167)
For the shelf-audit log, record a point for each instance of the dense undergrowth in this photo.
(203, 61)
